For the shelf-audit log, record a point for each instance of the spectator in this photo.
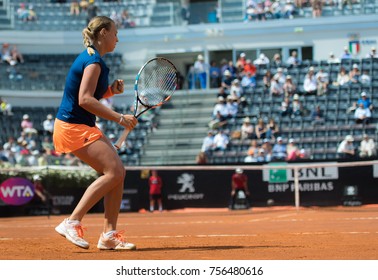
(249, 67)
(32, 16)
(354, 74)
(289, 9)
(261, 60)
(218, 121)
(215, 75)
(292, 151)
(6, 55)
(332, 59)
(310, 84)
(48, 146)
(185, 13)
(13, 73)
(279, 150)
(276, 88)
(116, 17)
(252, 152)
(221, 141)
(232, 107)
(26, 123)
(48, 125)
(289, 87)
(261, 129)
(297, 106)
(317, 116)
(247, 129)
(276, 9)
(346, 54)
(346, 148)
(267, 79)
(322, 79)
(367, 147)
(267, 147)
(22, 12)
(250, 12)
(342, 77)
(208, 143)
(241, 61)
(236, 91)
(352, 108)
(293, 59)
(201, 69)
(232, 68)
(272, 129)
(74, 8)
(248, 82)
(220, 107)
(127, 21)
(84, 5)
(17, 55)
(92, 10)
(5, 107)
(280, 76)
(286, 108)
(227, 81)
(362, 115)
(366, 101)
(317, 7)
(365, 78)
(202, 158)
(277, 61)
(373, 53)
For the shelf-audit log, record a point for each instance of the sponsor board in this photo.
(186, 189)
(16, 191)
(284, 175)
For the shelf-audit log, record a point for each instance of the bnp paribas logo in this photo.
(282, 172)
(277, 175)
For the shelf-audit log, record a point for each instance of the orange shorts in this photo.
(69, 137)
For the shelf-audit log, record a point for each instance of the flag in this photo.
(354, 47)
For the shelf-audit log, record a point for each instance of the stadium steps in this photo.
(5, 22)
(182, 127)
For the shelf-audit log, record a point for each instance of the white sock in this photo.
(73, 222)
(109, 233)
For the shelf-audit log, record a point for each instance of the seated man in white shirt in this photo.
(362, 114)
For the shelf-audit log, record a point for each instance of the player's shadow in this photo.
(207, 248)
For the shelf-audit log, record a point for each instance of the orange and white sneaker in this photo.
(114, 240)
(73, 231)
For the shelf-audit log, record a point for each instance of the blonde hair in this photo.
(91, 32)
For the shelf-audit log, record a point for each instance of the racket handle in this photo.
(121, 139)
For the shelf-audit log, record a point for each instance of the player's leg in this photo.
(102, 157)
(160, 203)
(152, 203)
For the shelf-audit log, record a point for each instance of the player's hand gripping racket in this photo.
(154, 85)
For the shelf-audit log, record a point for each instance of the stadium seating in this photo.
(56, 16)
(320, 141)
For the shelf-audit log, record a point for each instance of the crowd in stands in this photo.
(26, 138)
(128, 15)
(274, 80)
(288, 9)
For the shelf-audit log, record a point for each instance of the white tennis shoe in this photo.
(114, 240)
(74, 232)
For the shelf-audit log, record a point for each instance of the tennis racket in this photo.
(154, 85)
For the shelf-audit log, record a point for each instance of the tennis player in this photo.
(75, 132)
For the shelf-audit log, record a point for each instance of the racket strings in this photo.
(157, 82)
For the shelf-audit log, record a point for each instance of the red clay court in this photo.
(272, 233)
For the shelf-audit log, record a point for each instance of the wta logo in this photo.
(16, 191)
